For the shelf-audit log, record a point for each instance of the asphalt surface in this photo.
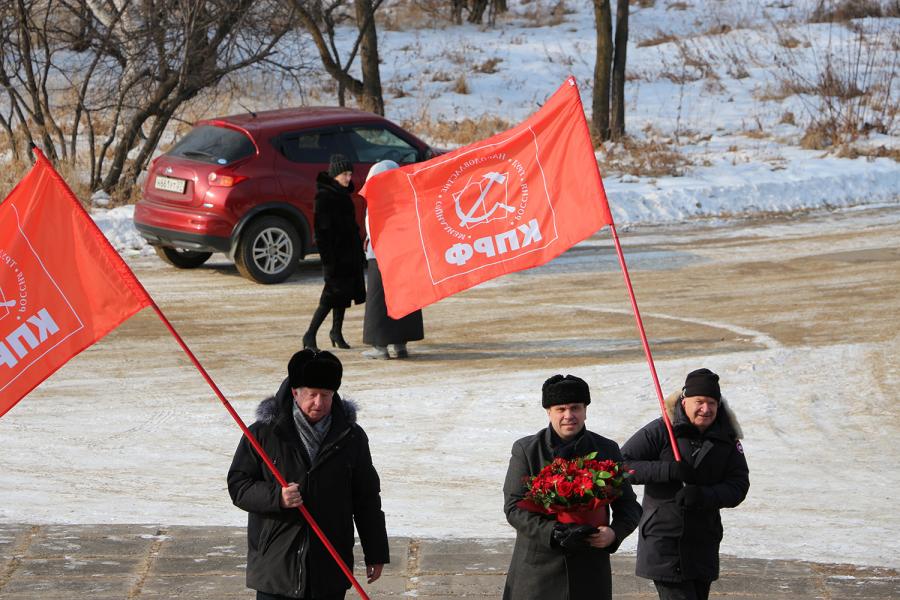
(119, 562)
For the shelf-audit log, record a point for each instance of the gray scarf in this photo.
(311, 434)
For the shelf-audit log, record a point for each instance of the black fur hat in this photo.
(339, 164)
(702, 382)
(565, 390)
(309, 368)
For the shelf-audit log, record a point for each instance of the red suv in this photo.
(244, 185)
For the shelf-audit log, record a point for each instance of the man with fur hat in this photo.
(311, 434)
(679, 535)
(553, 560)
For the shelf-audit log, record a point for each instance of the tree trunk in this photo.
(456, 10)
(617, 124)
(476, 12)
(372, 99)
(37, 113)
(602, 64)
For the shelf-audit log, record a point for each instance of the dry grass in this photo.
(856, 151)
(829, 11)
(10, 175)
(489, 66)
(678, 6)
(461, 86)
(643, 158)
(458, 133)
(788, 118)
(657, 40)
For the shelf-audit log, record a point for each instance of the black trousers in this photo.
(693, 589)
(265, 596)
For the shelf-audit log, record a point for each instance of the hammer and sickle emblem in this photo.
(466, 218)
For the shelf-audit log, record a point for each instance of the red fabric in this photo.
(62, 286)
(507, 203)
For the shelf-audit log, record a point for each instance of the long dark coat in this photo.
(378, 328)
(676, 544)
(340, 245)
(541, 570)
(284, 556)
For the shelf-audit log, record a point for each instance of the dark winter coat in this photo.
(540, 569)
(340, 245)
(675, 544)
(284, 556)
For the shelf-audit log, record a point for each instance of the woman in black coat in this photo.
(680, 531)
(340, 247)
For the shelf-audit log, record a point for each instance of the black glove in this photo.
(682, 471)
(571, 536)
(690, 496)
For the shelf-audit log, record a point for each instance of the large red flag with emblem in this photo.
(62, 286)
(507, 203)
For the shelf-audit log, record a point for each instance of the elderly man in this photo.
(678, 544)
(554, 560)
(312, 436)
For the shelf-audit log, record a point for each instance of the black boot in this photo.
(337, 323)
(309, 338)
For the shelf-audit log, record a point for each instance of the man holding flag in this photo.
(313, 436)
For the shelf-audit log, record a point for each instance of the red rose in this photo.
(565, 488)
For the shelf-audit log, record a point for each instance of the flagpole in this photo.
(640, 326)
(250, 437)
(259, 450)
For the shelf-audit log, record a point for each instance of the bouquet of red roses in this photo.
(577, 490)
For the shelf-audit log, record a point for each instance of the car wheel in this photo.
(183, 259)
(269, 250)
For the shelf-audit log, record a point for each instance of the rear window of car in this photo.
(216, 145)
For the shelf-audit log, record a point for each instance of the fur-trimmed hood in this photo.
(270, 410)
(724, 412)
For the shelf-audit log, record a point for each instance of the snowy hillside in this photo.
(713, 120)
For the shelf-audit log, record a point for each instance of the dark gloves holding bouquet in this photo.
(571, 536)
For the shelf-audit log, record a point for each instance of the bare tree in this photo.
(321, 20)
(109, 75)
(609, 71)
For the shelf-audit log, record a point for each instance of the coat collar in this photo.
(276, 410)
(324, 181)
(726, 425)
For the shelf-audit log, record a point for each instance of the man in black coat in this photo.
(311, 435)
(679, 535)
(551, 560)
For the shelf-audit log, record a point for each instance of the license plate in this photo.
(170, 184)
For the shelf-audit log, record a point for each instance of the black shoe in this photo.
(337, 339)
(309, 341)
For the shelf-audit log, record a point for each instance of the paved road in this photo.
(207, 563)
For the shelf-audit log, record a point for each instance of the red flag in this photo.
(507, 203)
(62, 286)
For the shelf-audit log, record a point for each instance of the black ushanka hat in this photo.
(565, 390)
(312, 369)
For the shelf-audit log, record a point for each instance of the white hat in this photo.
(381, 167)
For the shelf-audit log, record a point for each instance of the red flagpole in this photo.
(640, 326)
(250, 437)
(259, 450)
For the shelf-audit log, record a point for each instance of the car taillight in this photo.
(219, 180)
